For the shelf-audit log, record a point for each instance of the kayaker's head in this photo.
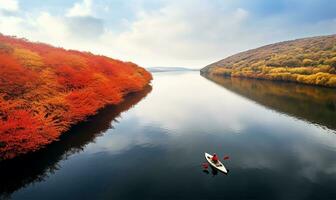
(214, 154)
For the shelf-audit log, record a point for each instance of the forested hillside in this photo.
(308, 60)
(44, 90)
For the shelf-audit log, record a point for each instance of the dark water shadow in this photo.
(35, 167)
(313, 104)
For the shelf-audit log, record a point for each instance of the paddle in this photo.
(205, 165)
(226, 157)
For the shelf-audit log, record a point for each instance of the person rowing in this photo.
(214, 158)
(214, 161)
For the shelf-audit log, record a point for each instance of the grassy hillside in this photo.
(308, 60)
(44, 90)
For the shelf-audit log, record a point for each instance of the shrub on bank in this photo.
(44, 90)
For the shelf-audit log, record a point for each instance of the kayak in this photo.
(219, 166)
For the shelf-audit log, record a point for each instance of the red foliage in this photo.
(14, 79)
(73, 79)
(20, 127)
(42, 98)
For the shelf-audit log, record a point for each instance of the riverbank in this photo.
(73, 141)
(45, 90)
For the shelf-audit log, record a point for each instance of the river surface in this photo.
(280, 137)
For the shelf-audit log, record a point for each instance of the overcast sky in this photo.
(187, 33)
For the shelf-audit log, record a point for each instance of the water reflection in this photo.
(156, 150)
(37, 166)
(214, 171)
(314, 104)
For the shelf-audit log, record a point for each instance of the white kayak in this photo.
(219, 166)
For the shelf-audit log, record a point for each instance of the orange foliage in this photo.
(44, 90)
(14, 79)
(73, 79)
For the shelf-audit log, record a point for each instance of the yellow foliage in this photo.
(307, 62)
(28, 58)
(222, 71)
(301, 70)
(332, 82)
(278, 70)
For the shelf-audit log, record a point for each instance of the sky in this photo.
(166, 33)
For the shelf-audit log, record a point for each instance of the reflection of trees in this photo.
(34, 167)
(314, 104)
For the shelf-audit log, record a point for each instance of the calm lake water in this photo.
(281, 139)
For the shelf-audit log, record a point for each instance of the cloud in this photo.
(179, 31)
(85, 27)
(51, 26)
(10, 24)
(9, 5)
(190, 33)
(81, 9)
(174, 34)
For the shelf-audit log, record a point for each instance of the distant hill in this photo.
(309, 60)
(169, 69)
